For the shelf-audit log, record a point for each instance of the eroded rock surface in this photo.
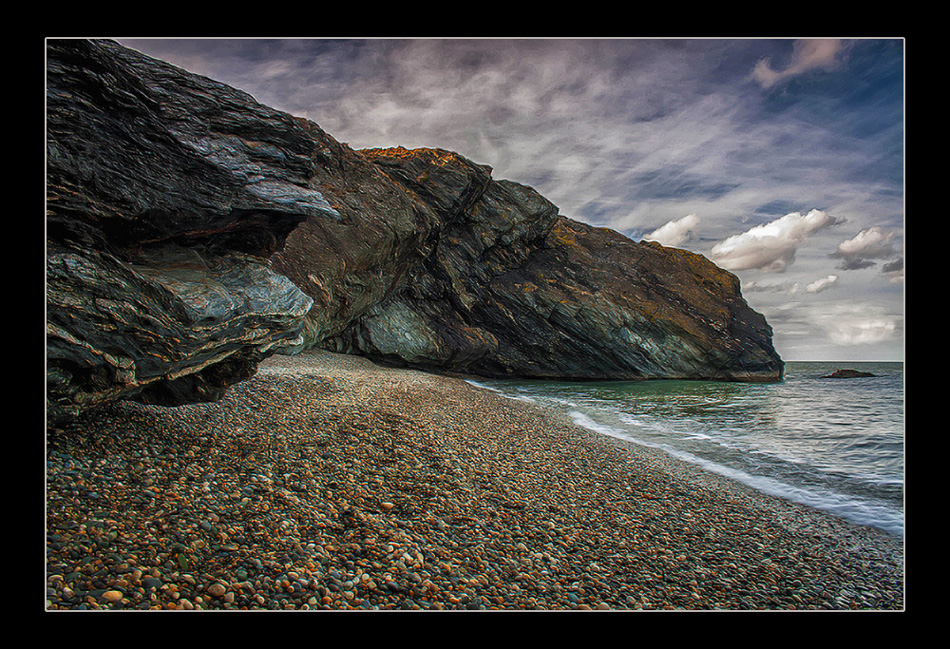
(515, 289)
(166, 193)
(192, 231)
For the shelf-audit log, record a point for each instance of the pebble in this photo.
(112, 595)
(282, 496)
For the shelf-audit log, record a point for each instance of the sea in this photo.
(832, 444)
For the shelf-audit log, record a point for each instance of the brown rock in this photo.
(112, 595)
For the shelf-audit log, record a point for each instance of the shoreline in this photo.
(328, 482)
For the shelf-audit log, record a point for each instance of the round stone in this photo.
(112, 595)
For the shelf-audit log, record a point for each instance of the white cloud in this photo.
(790, 288)
(871, 243)
(807, 55)
(675, 233)
(771, 246)
(822, 284)
(856, 323)
(867, 332)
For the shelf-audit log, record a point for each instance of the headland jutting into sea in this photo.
(195, 235)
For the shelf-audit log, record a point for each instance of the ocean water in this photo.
(832, 444)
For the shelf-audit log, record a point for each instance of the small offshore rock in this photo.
(847, 374)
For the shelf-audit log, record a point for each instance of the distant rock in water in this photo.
(847, 374)
(192, 232)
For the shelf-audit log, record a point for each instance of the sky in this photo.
(781, 160)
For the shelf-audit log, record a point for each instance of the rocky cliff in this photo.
(166, 193)
(192, 231)
(512, 288)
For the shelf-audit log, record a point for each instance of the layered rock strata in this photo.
(192, 232)
(514, 289)
(166, 193)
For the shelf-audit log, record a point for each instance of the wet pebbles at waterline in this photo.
(326, 482)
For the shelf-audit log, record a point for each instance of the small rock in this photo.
(112, 595)
(216, 590)
(152, 582)
(847, 374)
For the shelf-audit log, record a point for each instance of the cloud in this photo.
(870, 243)
(856, 264)
(807, 55)
(633, 134)
(892, 266)
(790, 288)
(894, 270)
(850, 323)
(675, 233)
(770, 247)
(822, 284)
(862, 332)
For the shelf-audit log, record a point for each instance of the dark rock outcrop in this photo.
(166, 193)
(385, 231)
(514, 289)
(192, 231)
(848, 374)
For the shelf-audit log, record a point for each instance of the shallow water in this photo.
(833, 444)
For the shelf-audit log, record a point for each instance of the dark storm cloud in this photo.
(856, 264)
(891, 266)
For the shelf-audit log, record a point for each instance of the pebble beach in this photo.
(327, 482)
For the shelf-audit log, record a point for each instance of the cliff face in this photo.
(512, 288)
(192, 231)
(386, 230)
(166, 193)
